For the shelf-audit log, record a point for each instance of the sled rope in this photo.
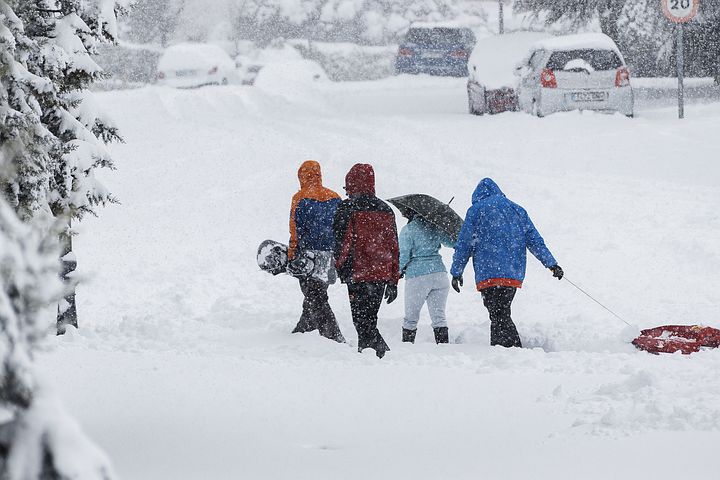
(591, 298)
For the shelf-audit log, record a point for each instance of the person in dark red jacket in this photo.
(367, 256)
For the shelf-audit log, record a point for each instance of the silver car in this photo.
(575, 72)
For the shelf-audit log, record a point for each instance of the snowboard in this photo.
(272, 257)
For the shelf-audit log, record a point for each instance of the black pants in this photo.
(497, 300)
(365, 300)
(316, 312)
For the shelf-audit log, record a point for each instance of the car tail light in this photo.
(405, 52)
(161, 75)
(547, 78)
(622, 77)
(458, 54)
(213, 71)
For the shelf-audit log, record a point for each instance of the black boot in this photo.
(408, 335)
(441, 334)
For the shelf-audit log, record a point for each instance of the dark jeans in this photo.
(497, 300)
(316, 313)
(365, 300)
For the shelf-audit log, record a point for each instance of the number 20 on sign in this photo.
(680, 11)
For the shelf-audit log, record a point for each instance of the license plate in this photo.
(432, 55)
(588, 96)
(185, 73)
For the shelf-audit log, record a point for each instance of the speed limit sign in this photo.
(680, 11)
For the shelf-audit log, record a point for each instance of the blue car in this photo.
(435, 50)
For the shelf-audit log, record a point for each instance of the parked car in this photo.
(575, 72)
(492, 82)
(435, 49)
(188, 65)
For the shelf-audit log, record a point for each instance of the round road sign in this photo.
(680, 11)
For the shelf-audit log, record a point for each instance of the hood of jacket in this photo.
(486, 188)
(360, 180)
(309, 174)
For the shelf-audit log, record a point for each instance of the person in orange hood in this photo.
(311, 219)
(367, 256)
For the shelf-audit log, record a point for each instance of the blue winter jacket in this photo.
(496, 233)
(420, 248)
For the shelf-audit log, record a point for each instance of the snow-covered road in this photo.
(184, 367)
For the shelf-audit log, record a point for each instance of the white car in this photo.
(189, 65)
(575, 72)
(492, 82)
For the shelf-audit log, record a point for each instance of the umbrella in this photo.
(432, 211)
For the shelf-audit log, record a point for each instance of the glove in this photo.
(391, 293)
(457, 283)
(557, 272)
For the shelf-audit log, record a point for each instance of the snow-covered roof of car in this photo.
(193, 55)
(580, 41)
(493, 60)
(448, 24)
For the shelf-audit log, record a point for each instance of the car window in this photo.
(435, 37)
(597, 59)
(536, 58)
(468, 37)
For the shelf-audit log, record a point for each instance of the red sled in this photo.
(677, 338)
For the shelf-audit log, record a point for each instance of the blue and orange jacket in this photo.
(312, 212)
(496, 234)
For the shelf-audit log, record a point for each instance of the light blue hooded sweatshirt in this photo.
(420, 244)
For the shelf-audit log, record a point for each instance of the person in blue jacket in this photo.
(496, 234)
(426, 279)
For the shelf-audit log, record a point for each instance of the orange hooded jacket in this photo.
(312, 212)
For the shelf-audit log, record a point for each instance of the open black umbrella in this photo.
(431, 210)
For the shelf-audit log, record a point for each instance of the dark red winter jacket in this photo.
(366, 241)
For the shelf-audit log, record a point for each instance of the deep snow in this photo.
(184, 366)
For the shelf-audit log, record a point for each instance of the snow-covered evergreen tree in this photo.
(578, 12)
(26, 146)
(64, 35)
(37, 438)
(154, 21)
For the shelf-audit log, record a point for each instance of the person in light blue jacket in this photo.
(426, 279)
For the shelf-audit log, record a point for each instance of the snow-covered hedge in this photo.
(128, 65)
(349, 61)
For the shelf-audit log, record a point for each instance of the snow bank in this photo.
(293, 79)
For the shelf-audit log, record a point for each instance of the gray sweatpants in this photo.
(433, 289)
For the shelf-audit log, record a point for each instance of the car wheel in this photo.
(471, 105)
(536, 109)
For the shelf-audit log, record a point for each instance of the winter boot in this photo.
(408, 335)
(441, 334)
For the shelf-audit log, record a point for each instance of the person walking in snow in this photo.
(496, 234)
(367, 254)
(311, 219)
(426, 279)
